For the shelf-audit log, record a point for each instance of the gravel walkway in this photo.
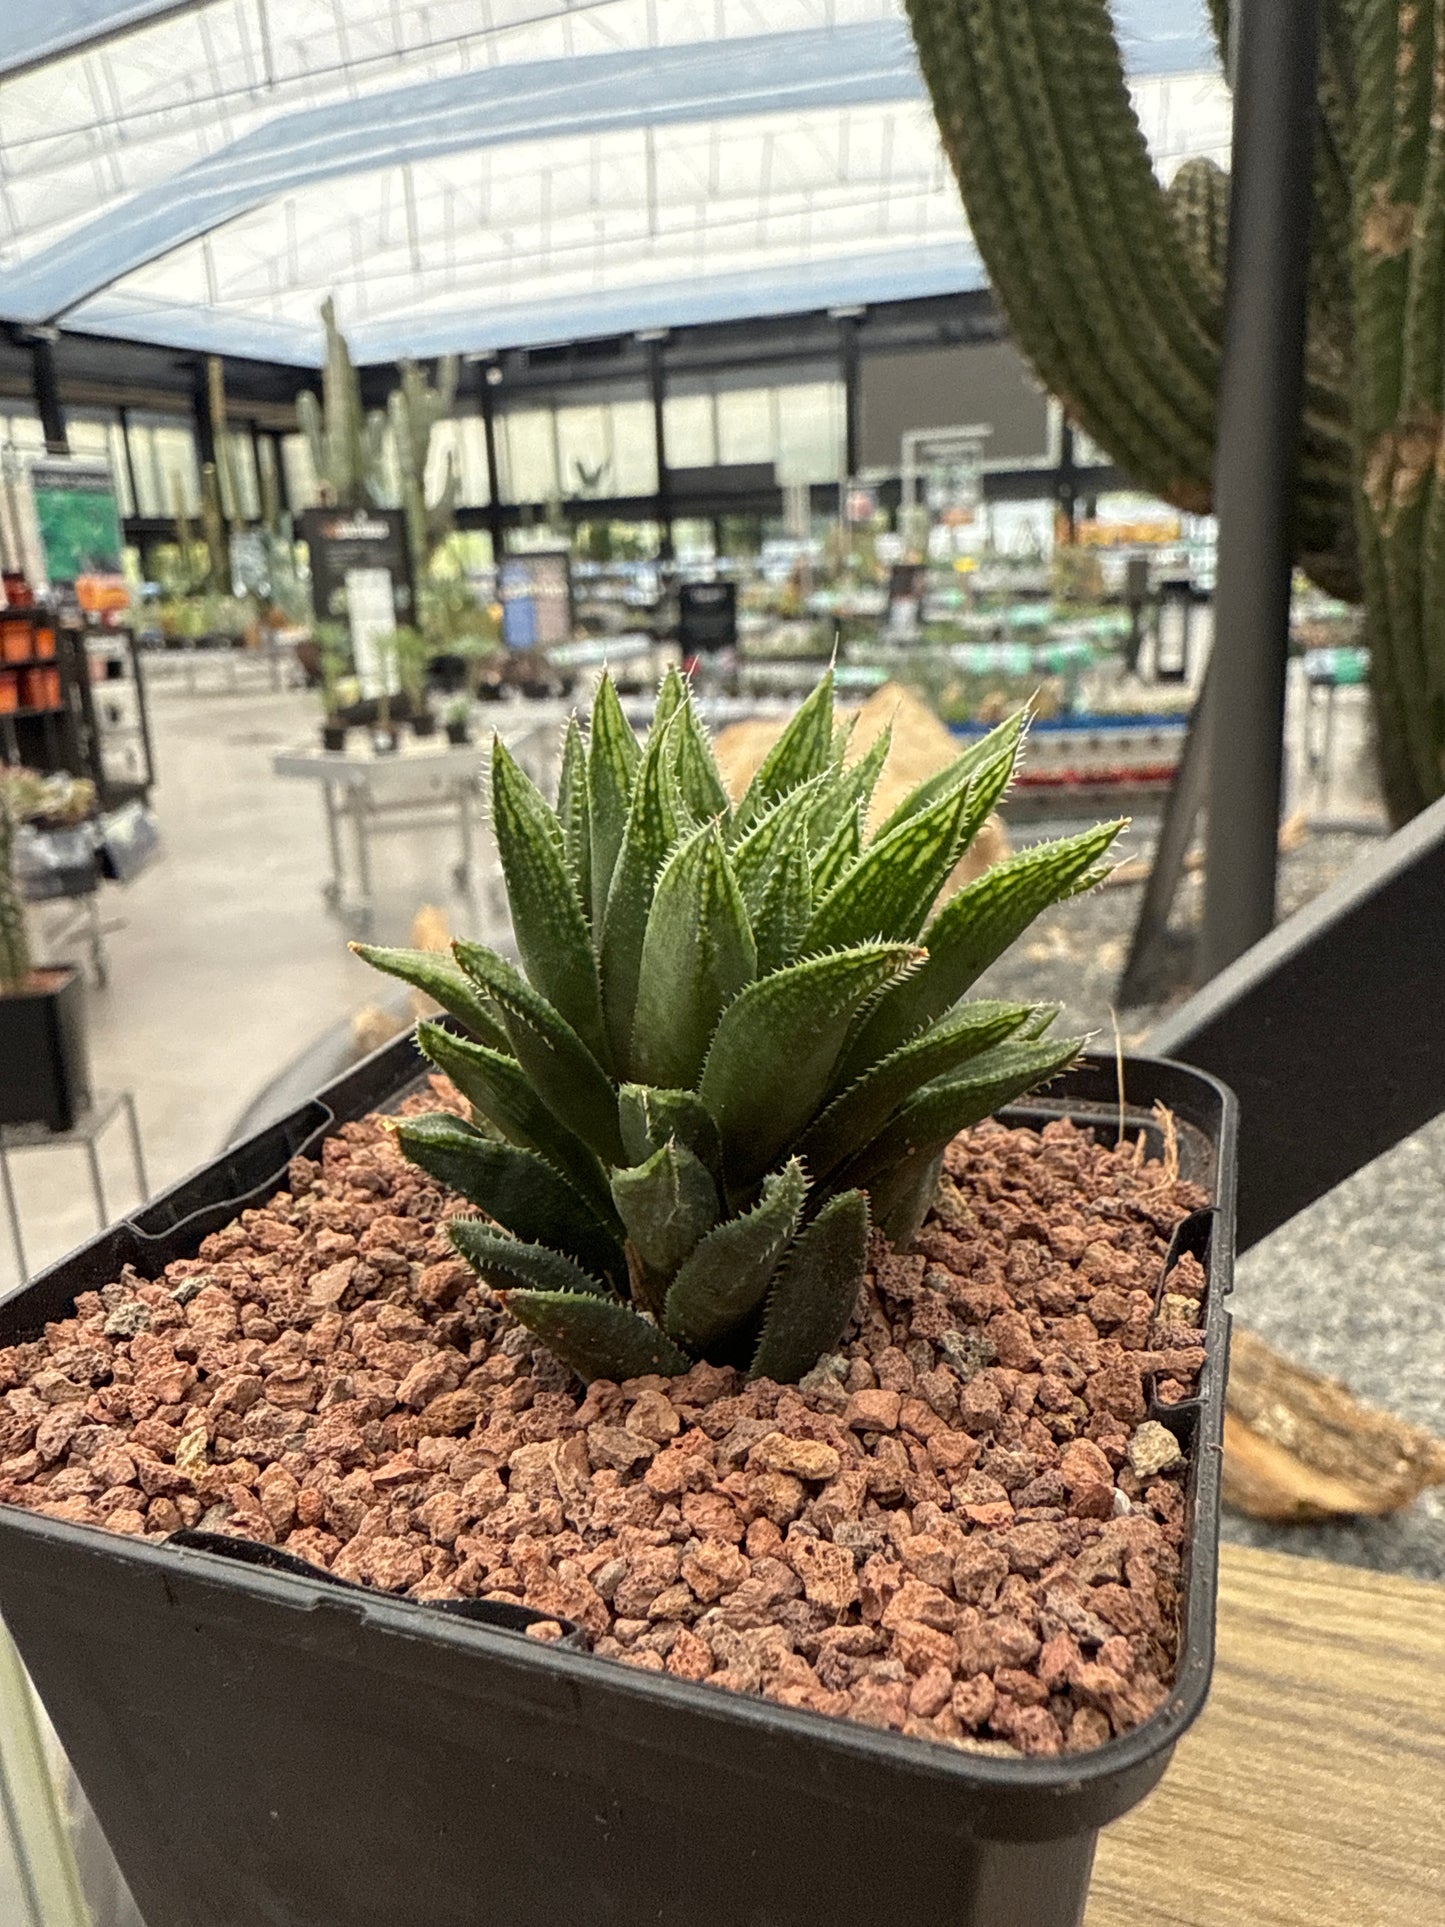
(1355, 1286)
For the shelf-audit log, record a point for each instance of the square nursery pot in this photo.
(276, 1746)
(44, 1066)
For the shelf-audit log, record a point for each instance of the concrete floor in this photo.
(225, 962)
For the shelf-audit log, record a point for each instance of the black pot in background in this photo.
(424, 723)
(459, 734)
(223, 1719)
(44, 1066)
(333, 736)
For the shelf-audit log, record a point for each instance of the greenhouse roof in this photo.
(476, 174)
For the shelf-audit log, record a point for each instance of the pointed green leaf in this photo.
(842, 736)
(441, 978)
(785, 911)
(650, 1117)
(568, 1078)
(572, 813)
(612, 759)
(838, 855)
(547, 916)
(671, 696)
(775, 1049)
(666, 1205)
(596, 1337)
(650, 833)
(497, 1086)
(902, 1197)
(781, 827)
(891, 888)
(849, 790)
(727, 1277)
(507, 1264)
(804, 750)
(937, 1113)
(697, 955)
(973, 928)
(1005, 741)
(857, 1116)
(696, 771)
(815, 1292)
(516, 1187)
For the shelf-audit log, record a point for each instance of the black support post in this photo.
(852, 398)
(657, 388)
(1066, 480)
(201, 409)
(494, 472)
(123, 416)
(45, 387)
(1276, 58)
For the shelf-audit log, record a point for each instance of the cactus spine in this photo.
(14, 945)
(1114, 288)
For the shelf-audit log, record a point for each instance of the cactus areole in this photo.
(738, 1034)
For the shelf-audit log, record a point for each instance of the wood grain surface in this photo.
(1312, 1791)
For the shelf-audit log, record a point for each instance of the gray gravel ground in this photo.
(1355, 1286)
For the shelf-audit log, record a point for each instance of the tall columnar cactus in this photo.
(1114, 285)
(347, 443)
(14, 944)
(738, 1030)
(414, 410)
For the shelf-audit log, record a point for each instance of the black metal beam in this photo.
(45, 386)
(1261, 392)
(657, 390)
(1331, 1029)
(201, 414)
(494, 523)
(852, 394)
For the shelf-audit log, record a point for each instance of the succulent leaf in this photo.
(940, 1110)
(849, 790)
(973, 928)
(650, 1117)
(695, 768)
(671, 696)
(572, 813)
(516, 1187)
(727, 1276)
(777, 830)
(839, 854)
(784, 910)
(891, 888)
(568, 1078)
(666, 1205)
(612, 759)
(856, 1117)
(650, 834)
(815, 1291)
(776, 1047)
(697, 955)
(1004, 741)
(494, 1083)
(547, 915)
(441, 978)
(596, 1337)
(804, 750)
(507, 1264)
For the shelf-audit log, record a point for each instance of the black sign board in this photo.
(707, 616)
(356, 542)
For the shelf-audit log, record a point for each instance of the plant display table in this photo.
(1310, 1792)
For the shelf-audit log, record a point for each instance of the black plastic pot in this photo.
(459, 734)
(44, 1064)
(267, 1746)
(424, 723)
(333, 736)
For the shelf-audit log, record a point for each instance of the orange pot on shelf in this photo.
(15, 641)
(9, 692)
(45, 642)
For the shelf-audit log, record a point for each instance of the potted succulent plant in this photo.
(413, 654)
(876, 1465)
(338, 686)
(457, 720)
(44, 1071)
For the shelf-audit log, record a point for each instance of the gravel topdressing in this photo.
(965, 1525)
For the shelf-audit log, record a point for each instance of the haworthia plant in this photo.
(733, 1029)
(1113, 286)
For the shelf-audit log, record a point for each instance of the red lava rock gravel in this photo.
(963, 1526)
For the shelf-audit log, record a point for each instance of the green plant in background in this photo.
(414, 410)
(1114, 288)
(28, 796)
(737, 1029)
(347, 444)
(333, 644)
(413, 652)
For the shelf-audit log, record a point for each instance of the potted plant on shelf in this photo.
(457, 719)
(877, 1466)
(44, 1070)
(413, 655)
(338, 687)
